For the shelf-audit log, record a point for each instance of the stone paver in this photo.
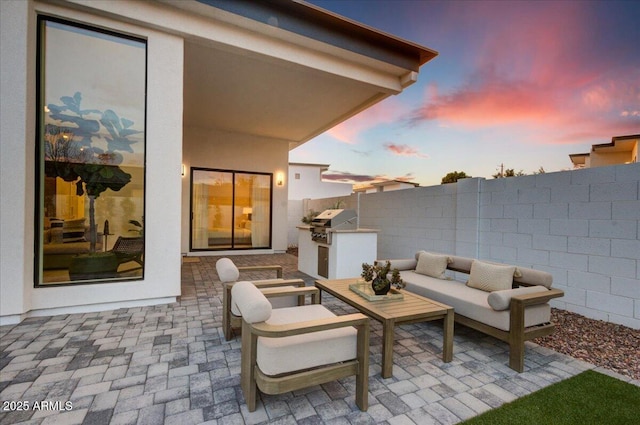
(170, 363)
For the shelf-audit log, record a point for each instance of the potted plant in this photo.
(378, 275)
(70, 153)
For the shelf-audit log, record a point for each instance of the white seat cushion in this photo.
(470, 302)
(293, 353)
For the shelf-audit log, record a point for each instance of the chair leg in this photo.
(226, 311)
(248, 367)
(362, 378)
(516, 336)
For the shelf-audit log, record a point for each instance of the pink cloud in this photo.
(536, 69)
(347, 177)
(404, 150)
(387, 111)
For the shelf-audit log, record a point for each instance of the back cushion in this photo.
(490, 277)
(433, 265)
(227, 271)
(251, 302)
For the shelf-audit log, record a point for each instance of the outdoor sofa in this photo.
(507, 302)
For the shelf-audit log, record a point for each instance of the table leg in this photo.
(447, 343)
(387, 348)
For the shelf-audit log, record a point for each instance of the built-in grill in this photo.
(334, 219)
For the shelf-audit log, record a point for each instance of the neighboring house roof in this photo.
(621, 150)
(305, 182)
(381, 186)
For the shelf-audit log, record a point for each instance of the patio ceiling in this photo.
(249, 93)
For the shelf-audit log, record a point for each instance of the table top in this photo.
(410, 307)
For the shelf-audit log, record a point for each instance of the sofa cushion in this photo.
(534, 277)
(501, 300)
(433, 265)
(401, 264)
(470, 302)
(490, 277)
(288, 354)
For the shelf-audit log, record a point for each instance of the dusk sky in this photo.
(519, 83)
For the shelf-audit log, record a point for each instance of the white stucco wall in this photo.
(163, 190)
(218, 149)
(16, 154)
(309, 185)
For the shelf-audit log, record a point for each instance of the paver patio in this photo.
(171, 364)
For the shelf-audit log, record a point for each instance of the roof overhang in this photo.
(287, 70)
(618, 144)
(281, 70)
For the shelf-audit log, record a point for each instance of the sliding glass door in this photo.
(230, 209)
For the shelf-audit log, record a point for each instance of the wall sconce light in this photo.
(184, 170)
(280, 179)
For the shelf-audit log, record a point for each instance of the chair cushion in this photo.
(227, 271)
(251, 302)
(293, 353)
(276, 302)
(490, 277)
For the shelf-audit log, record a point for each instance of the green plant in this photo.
(378, 275)
(339, 204)
(70, 152)
(308, 218)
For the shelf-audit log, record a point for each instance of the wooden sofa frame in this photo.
(518, 333)
(252, 378)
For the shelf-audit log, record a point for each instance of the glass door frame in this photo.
(233, 205)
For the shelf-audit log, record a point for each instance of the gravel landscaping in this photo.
(608, 345)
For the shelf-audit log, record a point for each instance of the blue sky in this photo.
(519, 83)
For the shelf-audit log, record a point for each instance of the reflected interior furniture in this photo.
(229, 273)
(291, 348)
(129, 249)
(64, 240)
(411, 308)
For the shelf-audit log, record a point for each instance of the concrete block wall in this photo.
(582, 226)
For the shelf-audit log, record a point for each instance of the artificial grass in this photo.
(585, 399)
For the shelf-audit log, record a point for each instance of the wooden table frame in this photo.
(411, 308)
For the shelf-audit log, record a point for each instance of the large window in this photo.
(91, 154)
(230, 210)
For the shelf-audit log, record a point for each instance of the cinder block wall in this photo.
(582, 226)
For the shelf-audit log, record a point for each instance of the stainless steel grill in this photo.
(333, 219)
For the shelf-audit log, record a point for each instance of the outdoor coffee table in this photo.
(411, 308)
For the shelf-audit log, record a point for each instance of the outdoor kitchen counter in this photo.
(361, 230)
(341, 258)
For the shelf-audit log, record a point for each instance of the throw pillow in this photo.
(490, 277)
(433, 265)
(73, 230)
